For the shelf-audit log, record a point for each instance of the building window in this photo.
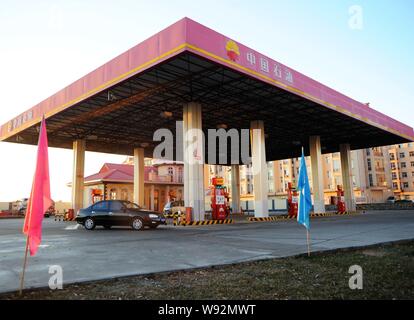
(371, 180)
(368, 152)
(392, 156)
(406, 185)
(411, 153)
(113, 194)
(124, 194)
(180, 174)
(395, 185)
(393, 167)
(336, 166)
(394, 176)
(404, 175)
(403, 165)
(170, 171)
(369, 165)
(402, 155)
(412, 163)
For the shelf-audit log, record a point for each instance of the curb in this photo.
(204, 223)
(312, 215)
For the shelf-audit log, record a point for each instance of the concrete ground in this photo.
(92, 255)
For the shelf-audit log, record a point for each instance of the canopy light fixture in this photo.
(222, 126)
(166, 114)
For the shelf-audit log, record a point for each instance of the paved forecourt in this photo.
(100, 254)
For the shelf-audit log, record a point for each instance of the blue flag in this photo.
(305, 199)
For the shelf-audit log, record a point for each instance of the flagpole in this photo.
(308, 240)
(24, 266)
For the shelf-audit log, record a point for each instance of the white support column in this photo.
(345, 150)
(235, 188)
(139, 176)
(317, 174)
(152, 198)
(193, 147)
(79, 147)
(259, 169)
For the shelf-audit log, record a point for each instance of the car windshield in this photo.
(131, 205)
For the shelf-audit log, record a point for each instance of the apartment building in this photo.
(401, 159)
(371, 175)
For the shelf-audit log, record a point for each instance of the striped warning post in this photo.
(59, 217)
(253, 219)
(172, 215)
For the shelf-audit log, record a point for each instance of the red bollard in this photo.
(71, 215)
(188, 214)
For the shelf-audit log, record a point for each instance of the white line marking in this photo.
(73, 227)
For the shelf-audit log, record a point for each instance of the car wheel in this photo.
(137, 224)
(89, 224)
(107, 227)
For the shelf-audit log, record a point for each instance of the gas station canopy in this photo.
(119, 105)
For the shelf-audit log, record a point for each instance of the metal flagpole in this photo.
(24, 266)
(308, 240)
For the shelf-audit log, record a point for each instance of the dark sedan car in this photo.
(110, 213)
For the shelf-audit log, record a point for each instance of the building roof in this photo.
(117, 106)
(112, 172)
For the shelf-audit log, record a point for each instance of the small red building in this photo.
(163, 181)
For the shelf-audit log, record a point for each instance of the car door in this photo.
(118, 214)
(100, 212)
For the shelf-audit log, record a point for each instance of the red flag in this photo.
(39, 201)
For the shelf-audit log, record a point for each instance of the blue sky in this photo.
(46, 45)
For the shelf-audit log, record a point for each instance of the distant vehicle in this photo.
(174, 207)
(390, 199)
(404, 201)
(51, 211)
(22, 208)
(110, 213)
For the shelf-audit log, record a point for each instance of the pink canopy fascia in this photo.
(188, 35)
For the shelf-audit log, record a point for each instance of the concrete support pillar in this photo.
(139, 176)
(152, 198)
(193, 160)
(259, 169)
(345, 150)
(235, 188)
(79, 147)
(317, 174)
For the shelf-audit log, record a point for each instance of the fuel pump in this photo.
(219, 200)
(341, 200)
(292, 201)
